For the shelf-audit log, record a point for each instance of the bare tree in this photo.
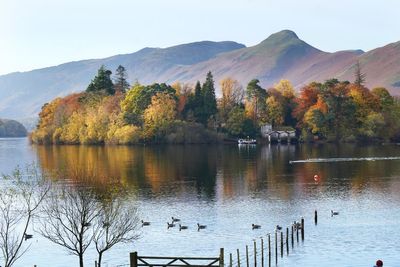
(21, 195)
(68, 215)
(117, 222)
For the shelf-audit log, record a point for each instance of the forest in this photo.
(111, 111)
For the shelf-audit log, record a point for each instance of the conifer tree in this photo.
(209, 100)
(359, 75)
(102, 82)
(121, 83)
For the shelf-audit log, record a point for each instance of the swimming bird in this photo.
(334, 213)
(175, 220)
(199, 226)
(169, 225)
(27, 236)
(255, 226)
(182, 227)
(278, 228)
(145, 223)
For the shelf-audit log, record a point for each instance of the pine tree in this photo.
(209, 100)
(359, 75)
(120, 79)
(102, 82)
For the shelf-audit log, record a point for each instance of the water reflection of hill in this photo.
(225, 172)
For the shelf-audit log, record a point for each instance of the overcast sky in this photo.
(40, 33)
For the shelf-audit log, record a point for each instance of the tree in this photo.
(232, 95)
(359, 75)
(238, 124)
(275, 111)
(209, 100)
(255, 101)
(117, 222)
(138, 99)
(121, 83)
(102, 82)
(68, 215)
(159, 115)
(21, 195)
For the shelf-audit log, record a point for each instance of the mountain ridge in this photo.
(283, 55)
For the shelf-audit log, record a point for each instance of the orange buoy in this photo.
(316, 177)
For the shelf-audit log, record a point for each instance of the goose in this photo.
(182, 227)
(175, 219)
(278, 227)
(334, 213)
(27, 236)
(199, 226)
(145, 223)
(169, 225)
(255, 226)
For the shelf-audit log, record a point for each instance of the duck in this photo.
(199, 226)
(334, 213)
(278, 228)
(255, 226)
(175, 219)
(169, 225)
(27, 236)
(182, 227)
(145, 223)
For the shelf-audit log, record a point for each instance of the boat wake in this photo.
(324, 160)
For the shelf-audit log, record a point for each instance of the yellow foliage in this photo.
(285, 87)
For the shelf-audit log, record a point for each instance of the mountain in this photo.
(282, 55)
(11, 128)
(22, 94)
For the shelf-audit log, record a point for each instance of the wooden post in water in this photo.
(255, 253)
(287, 240)
(316, 217)
(297, 233)
(262, 252)
(302, 229)
(281, 244)
(292, 237)
(276, 247)
(238, 257)
(95, 263)
(221, 257)
(230, 260)
(247, 256)
(269, 250)
(133, 259)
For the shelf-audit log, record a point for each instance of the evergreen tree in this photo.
(102, 82)
(121, 83)
(209, 100)
(359, 75)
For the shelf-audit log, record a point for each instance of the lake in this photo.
(230, 187)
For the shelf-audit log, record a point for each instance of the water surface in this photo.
(230, 187)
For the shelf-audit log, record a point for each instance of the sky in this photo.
(41, 33)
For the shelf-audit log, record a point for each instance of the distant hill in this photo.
(281, 55)
(11, 128)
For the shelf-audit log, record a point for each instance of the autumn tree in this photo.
(102, 82)
(138, 98)
(120, 81)
(159, 115)
(287, 101)
(232, 96)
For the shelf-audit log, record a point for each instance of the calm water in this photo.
(228, 188)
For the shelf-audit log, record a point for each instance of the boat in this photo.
(247, 141)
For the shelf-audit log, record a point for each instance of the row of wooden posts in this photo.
(294, 231)
(136, 260)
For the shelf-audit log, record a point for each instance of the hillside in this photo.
(281, 55)
(11, 128)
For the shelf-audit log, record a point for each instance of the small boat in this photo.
(255, 226)
(247, 141)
